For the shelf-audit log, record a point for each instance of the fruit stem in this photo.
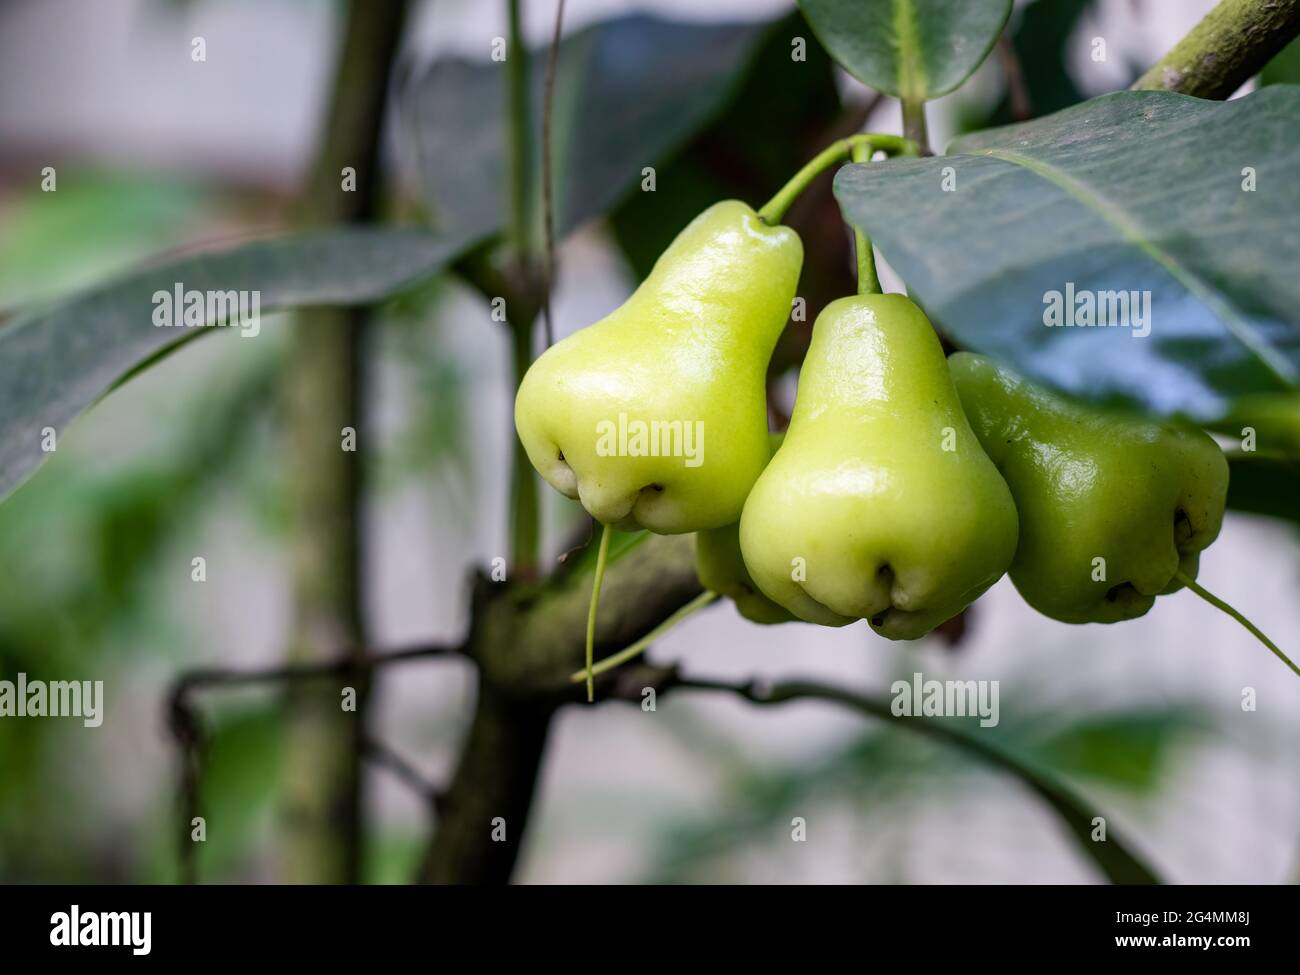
(1219, 604)
(868, 279)
(839, 151)
(914, 126)
(601, 557)
(634, 649)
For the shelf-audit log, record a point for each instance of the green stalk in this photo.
(914, 125)
(868, 279)
(520, 144)
(601, 556)
(774, 210)
(525, 518)
(635, 649)
(1219, 604)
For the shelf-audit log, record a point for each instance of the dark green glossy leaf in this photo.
(913, 49)
(628, 94)
(56, 362)
(1130, 192)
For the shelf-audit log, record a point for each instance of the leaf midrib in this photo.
(907, 40)
(1241, 329)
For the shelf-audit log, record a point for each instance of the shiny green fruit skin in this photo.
(721, 568)
(692, 345)
(892, 527)
(1147, 497)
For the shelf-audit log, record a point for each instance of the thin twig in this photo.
(1017, 92)
(1113, 857)
(338, 667)
(191, 739)
(190, 746)
(548, 203)
(387, 757)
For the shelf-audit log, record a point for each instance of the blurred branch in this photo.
(191, 740)
(343, 665)
(1119, 864)
(1227, 48)
(386, 757)
(548, 195)
(527, 639)
(321, 833)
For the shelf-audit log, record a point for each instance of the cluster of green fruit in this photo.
(907, 483)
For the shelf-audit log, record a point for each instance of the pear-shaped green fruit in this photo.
(721, 568)
(1110, 506)
(880, 504)
(656, 416)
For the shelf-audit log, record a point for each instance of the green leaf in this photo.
(241, 770)
(628, 93)
(912, 49)
(1284, 68)
(56, 362)
(97, 224)
(1130, 192)
(1129, 749)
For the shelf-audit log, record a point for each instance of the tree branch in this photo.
(1112, 856)
(387, 757)
(527, 639)
(191, 737)
(1226, 49)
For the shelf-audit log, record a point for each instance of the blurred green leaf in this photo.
(774, 120)
(1284, 69)
(55, 363)
(1133, 191)
(94, 224)
(912, 49)
(628, 93)
(81, 561)
(1130, 750)
(1126, 749)
(240, 774)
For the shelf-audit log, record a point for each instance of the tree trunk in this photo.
(321, 827)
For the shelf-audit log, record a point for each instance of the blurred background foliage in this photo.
(92, 548)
